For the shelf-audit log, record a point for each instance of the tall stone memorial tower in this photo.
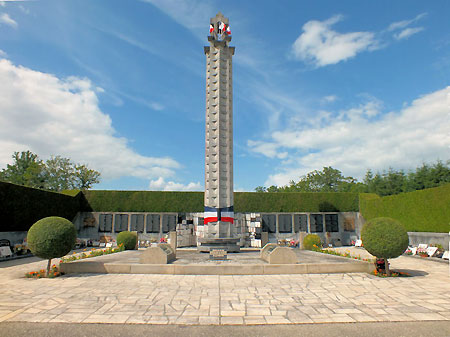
(220, 231)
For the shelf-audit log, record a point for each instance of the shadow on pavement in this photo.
(412, 272)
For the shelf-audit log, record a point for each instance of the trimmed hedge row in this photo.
(419, 211)
(156, 201)
(21, 207)
(144, 201)
(295, 202)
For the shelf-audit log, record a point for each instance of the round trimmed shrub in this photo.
(128, 239)
(384, 237)
(51, 237)
(310, 240)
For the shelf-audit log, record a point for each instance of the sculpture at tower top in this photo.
(219, 228)
(219, 28)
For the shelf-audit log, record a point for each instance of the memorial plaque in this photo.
(316, 221)
(218, 254)
(446, 255)
(431, 251)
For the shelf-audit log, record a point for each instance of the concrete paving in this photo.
(378, 329)
(229, 299)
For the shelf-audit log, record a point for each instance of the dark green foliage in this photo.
(419, 211)
(295, 202)
(128, 239)
(21, 207)
(56, 174)
(395, 182)
(384, 237)
(51, 237)
(27, 170)
(150, 201)
(385, 183)
(145, 201)
(310, 240)
(327, 180)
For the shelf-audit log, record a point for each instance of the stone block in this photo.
(173, 239)
(274, 254)
(161, 254)
(264, 238)
(282, 255)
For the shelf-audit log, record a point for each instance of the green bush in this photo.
(419, 211)
(128, 239)
(158, 201)
(384, 238)
(310, 240)
(51, 237)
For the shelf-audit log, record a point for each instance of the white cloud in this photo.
(405, 23)
(355, 141)
(190, 14)
(405, 33)
(329, 99)
(267, 149)
(3, 53)
(7, 20)
(161, 185)
(323, 46)
(52, 116)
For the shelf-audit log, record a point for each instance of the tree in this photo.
(27, 170)
(327, 180)
(60, 174)
(85, 177)
(386, 183)
(56, 174)
(51, 237)
(384, 238)
(273, 188)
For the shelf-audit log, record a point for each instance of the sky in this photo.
(119, 85)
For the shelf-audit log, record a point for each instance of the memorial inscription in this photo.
(218, 254)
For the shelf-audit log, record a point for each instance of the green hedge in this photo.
(21, 207)
(295, 202)
(144, 201)
(155, 201)
(419, 211)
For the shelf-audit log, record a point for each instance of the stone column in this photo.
(220, 230)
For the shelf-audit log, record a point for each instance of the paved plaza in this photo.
(227, 300)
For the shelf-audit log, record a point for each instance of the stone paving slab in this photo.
(227, 299)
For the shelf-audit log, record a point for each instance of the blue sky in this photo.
(120, 85)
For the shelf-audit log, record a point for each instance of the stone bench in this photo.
(274, 254)
(161, 254)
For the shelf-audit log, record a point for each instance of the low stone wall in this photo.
(248, 269)
(416, 238)
(13, 237)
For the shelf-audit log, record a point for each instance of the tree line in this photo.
(55, 174)
(385, 183)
